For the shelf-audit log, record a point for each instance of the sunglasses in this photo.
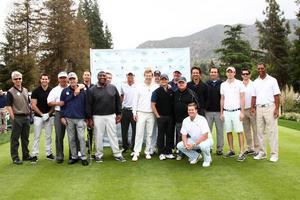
(17, 79)
(245, 74)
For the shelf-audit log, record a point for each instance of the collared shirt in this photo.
(232, 92)
(201, 92)
(213, 100)
(54, 96)
(41, 97)
(128, 93)
(195, 128)
(265, 89)
(142, 98)
(248, 94)
(163, 100)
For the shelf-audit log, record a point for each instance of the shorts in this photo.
(232, 122)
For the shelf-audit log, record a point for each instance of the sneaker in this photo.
(192, 162)
(148, 156)
(162, 157)
(178, 157)
(135, 158)
(120, 159)
(132, 154)
(249, 152)
(206, 163)
(219, 152)
(28, 158)
(98, 160)
(241, 157)
(72, 161)
(34, 159)
(84, 162)
(274, 158)
(260, 156)
(230, 154)
(17, 161)
(50, 157)
(170, 156)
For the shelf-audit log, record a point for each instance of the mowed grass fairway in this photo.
(154, 179)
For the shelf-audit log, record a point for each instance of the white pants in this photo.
(144, 122)
(38, 125)
(102, 124)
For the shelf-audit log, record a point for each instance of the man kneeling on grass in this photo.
(195, 135)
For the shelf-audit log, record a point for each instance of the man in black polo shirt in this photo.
(162, 106)
(213, 107)
(42, 118)
(19, 111)
(182, 97)
(200, 88)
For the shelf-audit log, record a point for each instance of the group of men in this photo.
(156, 108)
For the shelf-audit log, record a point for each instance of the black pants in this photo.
(20, 128)
(165, 135)
(127, 118)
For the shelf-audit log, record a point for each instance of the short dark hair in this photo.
(261, 63)
(246, 69)
(214, 67)
(193, 104)
(197, 68)
(44, 74)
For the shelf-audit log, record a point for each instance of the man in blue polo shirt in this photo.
(73, 115)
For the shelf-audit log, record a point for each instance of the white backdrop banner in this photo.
(120, 62)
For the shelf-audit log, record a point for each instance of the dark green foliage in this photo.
(273, 40)
(235, 51)
(294, 68)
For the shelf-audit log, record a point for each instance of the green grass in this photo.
(154, 179)
(289, 124)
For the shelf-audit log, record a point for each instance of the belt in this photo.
(127, 108)
(233, 110)
(264, 105)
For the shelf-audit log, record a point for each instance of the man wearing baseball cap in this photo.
(173, 82)
(232, 111)
(162, 106)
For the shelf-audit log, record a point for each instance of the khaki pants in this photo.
(249, 122)
(267, 126)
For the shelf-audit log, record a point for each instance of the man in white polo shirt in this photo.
(195, 135)
(232, 110)
(266, 99)
(249, 121)
(143, 115)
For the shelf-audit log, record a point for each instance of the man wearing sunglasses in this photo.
(249, 121)
(19, 111)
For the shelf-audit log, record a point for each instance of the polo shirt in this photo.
(54, 96)
(265, 89)
(248, 94)
(41, 96)
(214, 96)
(163, 100)
(231, 92)
(195, 128)
(128, 92)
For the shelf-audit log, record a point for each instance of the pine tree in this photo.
(236, 52)
(108, 38)
(294, 68)
(273, 40)
(21, 46)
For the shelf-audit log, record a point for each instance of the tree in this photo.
(294, 70)
(21, 46)
(61, 45)
(235, 52)
(100, 38)
(273, 40)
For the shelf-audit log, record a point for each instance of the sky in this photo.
(133, 22)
